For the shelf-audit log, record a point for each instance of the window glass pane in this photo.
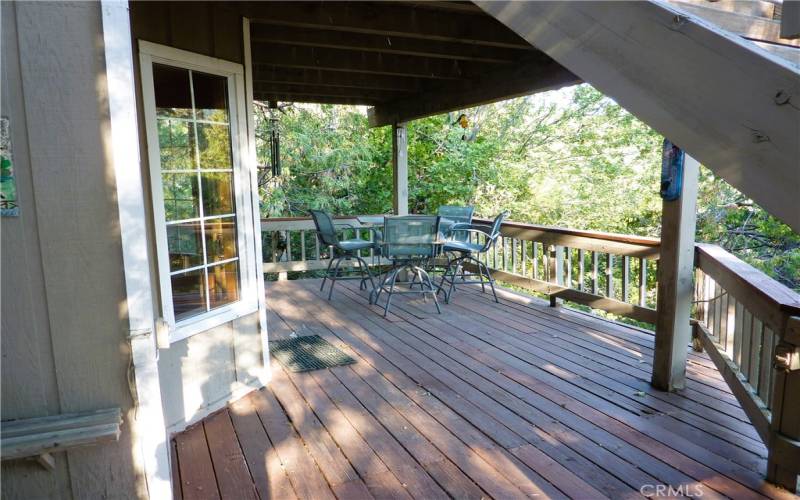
(185, 244)
(210, 96)
(172, 92)
(188, 294)
(217, 193)
(223, 284)
(176, 142)
(221, 239)
(181, 199)
(215, 145)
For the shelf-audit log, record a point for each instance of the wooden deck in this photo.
(505, 401)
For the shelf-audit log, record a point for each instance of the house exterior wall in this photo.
(64, 327)
(201, 373)
(64, 317)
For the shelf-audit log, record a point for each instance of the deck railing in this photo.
(291, 243)
(747, 322)
(750, 326)
(611, 272)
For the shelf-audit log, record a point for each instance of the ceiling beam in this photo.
(308, 37)
(729, 105)
(462, 7)
(345, 60)
(492, 87)
(386, 19)
(314, 99)
(325, 91)
(275, 74)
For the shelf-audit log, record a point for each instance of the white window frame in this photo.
(150, 53)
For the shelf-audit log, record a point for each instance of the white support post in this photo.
(675, 274)
(252, 168)
(151, 451)
(400, 169)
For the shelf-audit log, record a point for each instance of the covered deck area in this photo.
(485, 400)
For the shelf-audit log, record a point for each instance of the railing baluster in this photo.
(288, 245)
(643, 282)
(525, 257)
(764, 377)
(505, 253)
(535, 267)
(723, 318)
(303, 246)
(626, 271)
(513, 255)
(747, 332)
(568, 282)
(316, 246)
(738, 328)
(755, 352)
(595, 267)
(718, 312)
(581, 258)
(730, 325)
(609, 276)
(274, 245)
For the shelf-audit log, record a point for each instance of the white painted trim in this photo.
(249, 258)
(188, 59)
(252, 165)
(148, 427)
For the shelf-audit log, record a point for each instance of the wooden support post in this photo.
(676, 266)
(783, 465)
(400, 169)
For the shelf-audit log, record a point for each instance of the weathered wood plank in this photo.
(268, 475)
(197, 474)
(230, 467)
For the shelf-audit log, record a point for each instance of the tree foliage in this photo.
(568, 158)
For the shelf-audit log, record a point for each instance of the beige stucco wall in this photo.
(63, 320)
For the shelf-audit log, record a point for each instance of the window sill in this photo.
(204, 322)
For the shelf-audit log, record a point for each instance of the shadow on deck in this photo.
(507, 401)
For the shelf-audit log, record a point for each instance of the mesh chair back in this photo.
(326, 231)
(494, 231)
(410, 235)
(458, 215)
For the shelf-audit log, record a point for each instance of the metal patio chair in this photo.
(341, 250)
(469, 252)
(408, 241)
(459, 215)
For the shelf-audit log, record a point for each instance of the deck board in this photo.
(485, 400)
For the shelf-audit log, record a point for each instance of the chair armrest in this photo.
(472, 228)
(466, 225)
(343, 224)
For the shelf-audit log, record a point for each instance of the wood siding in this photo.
(63, 314)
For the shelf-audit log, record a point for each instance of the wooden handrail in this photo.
(600, 235)
(750, 327)
(597, 241)
(724, 266)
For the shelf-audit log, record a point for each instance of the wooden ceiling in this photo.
(405, 59)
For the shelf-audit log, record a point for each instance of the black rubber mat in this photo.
(312, 352)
